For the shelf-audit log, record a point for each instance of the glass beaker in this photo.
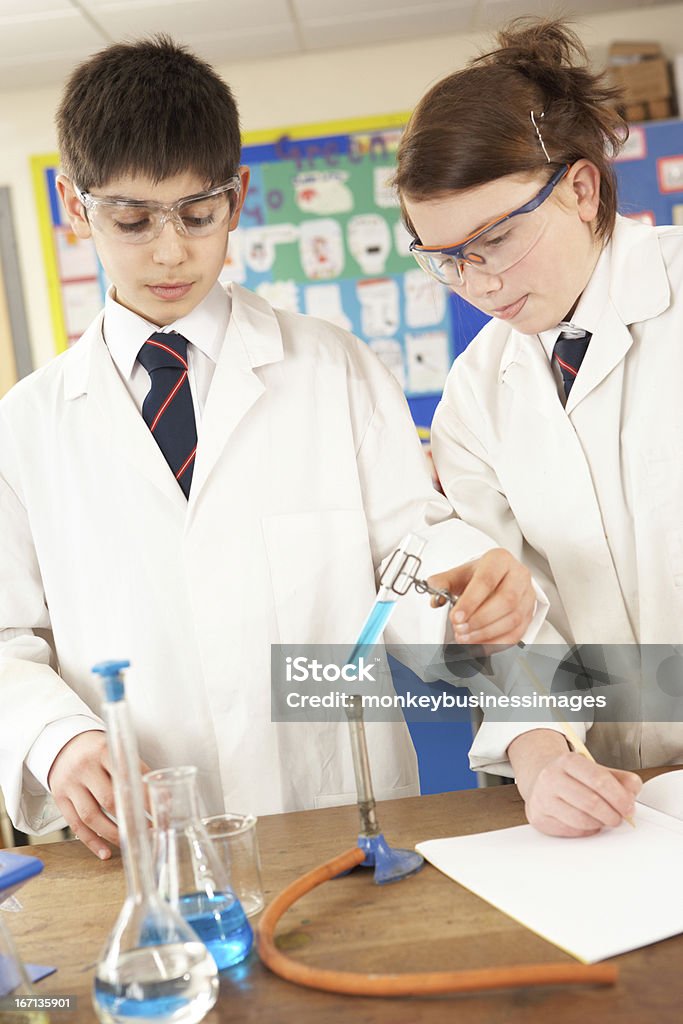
(154, 967)
(189, 872)
(235, 840)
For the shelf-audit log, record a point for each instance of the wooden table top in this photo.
(424, 923)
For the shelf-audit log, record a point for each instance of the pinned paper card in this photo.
(259, 250)
(428, 361)
(325, 301)
(321, 247)
(76, 256)
(425, 299)
(281, 294)
(390, 352)
(323, 192)
(259, 244)
(369, 241)
(379, 303)
(594, 897)
(402, 239)
(384, 192)
(233, 268)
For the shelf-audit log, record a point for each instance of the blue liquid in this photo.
(373, 627)
(221, 924)
(155, 983)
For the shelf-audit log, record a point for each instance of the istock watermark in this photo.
(303, 670)
(608, 683)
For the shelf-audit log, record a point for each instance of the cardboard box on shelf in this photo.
(642, 72)
(644, 81)
(657, 110)
(629, 53)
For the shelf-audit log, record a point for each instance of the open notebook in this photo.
(594, 897)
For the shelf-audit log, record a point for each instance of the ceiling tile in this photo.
(38, 72)
(123, 17)
(374, 27)
(323, 10)
(16, 10)
(66, 32)
(220, 48)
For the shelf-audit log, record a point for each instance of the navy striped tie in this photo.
(570, 348)
(167, 409)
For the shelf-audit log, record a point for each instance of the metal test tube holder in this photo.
(400, 574)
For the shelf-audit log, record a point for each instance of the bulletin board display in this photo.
(320, 234)
(650, 172)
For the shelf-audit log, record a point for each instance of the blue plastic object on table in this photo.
(15, 869)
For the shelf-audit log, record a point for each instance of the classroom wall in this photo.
(284, 91)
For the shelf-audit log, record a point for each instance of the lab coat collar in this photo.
(256, 323)
(638, 290)
(111, 413)
(253, 339)
(126, 332)
(639, 286)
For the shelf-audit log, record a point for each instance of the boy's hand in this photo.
(564, 793)
(81, 785)
(496, 599)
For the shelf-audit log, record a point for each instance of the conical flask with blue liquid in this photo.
(190, 874)
(154, 967)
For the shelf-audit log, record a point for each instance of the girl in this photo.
(560, 428)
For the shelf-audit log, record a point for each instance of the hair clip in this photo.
(538, 133)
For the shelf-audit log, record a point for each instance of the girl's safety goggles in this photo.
(495, 247)
(139, 221)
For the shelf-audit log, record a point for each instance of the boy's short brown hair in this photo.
(148, 108)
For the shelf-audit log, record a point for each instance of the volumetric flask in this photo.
(154, 968)
(189, 872)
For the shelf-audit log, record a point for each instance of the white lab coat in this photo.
(519, 466)
(308, 472)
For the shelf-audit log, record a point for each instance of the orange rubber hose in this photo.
(430, 983)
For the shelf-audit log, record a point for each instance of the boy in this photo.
(199, 477)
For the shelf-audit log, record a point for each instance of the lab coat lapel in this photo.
(253, 339)
(609, 345)
(636, 259)
(112, 414)
(525, 368)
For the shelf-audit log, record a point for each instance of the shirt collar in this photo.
(125, 332)
(591, 304)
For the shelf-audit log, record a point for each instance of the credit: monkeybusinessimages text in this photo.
(447, 701)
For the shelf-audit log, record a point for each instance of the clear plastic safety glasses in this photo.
(138, 221)
(495, 247)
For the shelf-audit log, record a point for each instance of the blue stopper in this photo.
(112, 679)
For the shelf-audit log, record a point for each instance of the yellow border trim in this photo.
(313, 131)
(40, 164)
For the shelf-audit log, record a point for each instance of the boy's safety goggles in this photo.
(493, 248)
(139, 221)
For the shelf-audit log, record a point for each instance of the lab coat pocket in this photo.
(664, 474)
(674, 546)
(322, 574)
(659, 504)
